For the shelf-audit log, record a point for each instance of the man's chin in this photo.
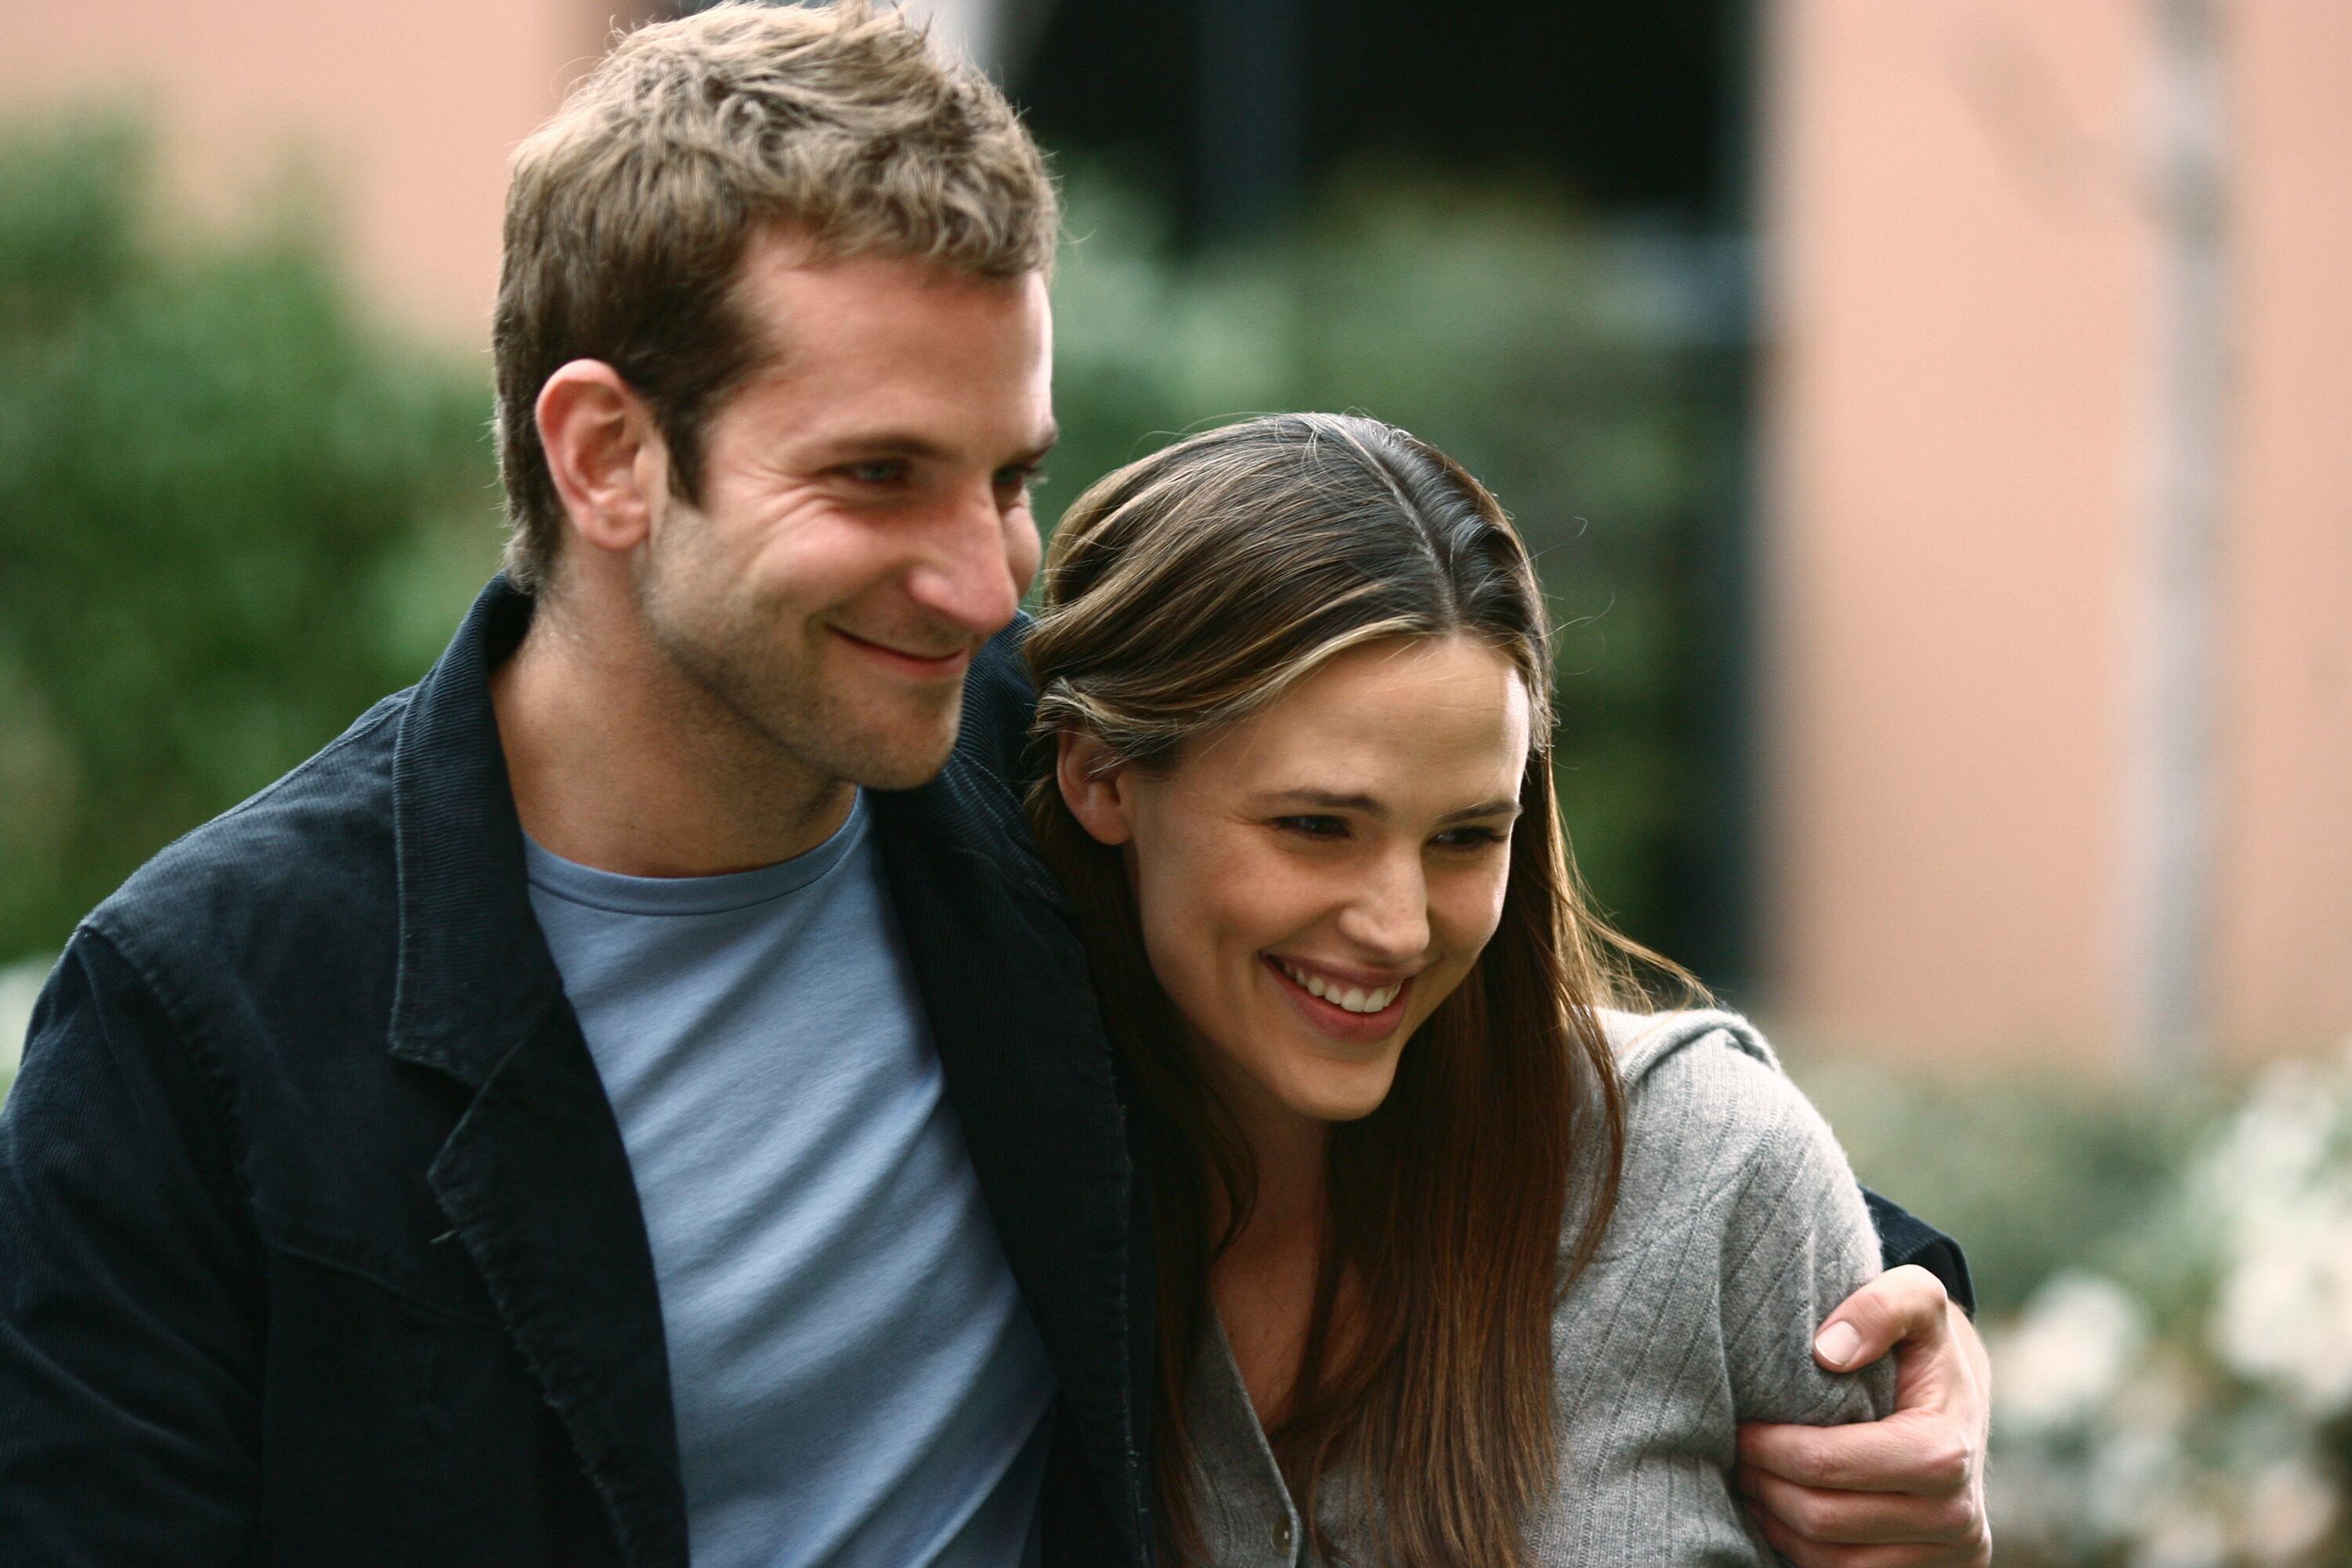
(899, 762)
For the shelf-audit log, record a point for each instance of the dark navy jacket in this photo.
(318, 1242)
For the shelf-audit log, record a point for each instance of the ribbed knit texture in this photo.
(1738, 1228)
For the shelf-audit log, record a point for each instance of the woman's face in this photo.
(1314, 880)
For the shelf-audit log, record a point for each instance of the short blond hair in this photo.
(630, 211)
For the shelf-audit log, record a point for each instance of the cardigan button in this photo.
(1283, 1536)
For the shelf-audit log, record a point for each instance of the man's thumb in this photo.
(1901, 1305)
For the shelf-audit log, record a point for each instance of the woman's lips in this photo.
(1330, 1018)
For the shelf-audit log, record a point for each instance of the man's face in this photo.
(864, 520)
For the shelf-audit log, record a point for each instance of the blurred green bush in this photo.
(231, 516)
(2035, 1172)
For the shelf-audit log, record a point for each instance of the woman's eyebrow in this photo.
(1333, 800)
(1329, 800)
(1501, 805)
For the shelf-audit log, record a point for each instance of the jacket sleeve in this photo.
(1903, 1238)
(129, 1288)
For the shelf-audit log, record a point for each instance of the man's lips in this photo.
(921, 665)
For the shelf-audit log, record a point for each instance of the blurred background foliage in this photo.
(234, 513)
(2165, 1277)
(231, 516)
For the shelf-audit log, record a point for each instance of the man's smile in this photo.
(922, 665)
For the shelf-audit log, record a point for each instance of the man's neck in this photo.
(619, 760)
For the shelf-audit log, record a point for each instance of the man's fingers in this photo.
(1901, 1492)
(1859, 1519)
(1919, 1454)
(1906, 1303)
(1807, 1553)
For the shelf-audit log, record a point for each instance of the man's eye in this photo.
(1021, 480)
(880, 471)
(1313, 826)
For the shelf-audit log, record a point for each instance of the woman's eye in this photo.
(1313, 826)
(1468, 838)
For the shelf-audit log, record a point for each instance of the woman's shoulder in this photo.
(1706, 1099)
(1725, 1159)
(1736, 1227)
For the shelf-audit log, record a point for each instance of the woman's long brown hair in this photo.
(1187, 590)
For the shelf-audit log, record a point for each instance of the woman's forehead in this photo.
(1395, 723)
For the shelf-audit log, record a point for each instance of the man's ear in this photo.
(1095, 785)
(603, 452)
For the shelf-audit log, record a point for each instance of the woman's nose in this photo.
(1389, 918)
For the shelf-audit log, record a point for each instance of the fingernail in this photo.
(1838, 1343)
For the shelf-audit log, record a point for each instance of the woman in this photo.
(1458, 1263)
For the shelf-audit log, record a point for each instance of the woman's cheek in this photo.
(1468, 923)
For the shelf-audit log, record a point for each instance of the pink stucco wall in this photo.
(2285, 937)
(1963, 367)
(404, 113)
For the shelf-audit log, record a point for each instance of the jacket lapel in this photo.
(534, 1178)
(1029, 1069)
(538, 1187)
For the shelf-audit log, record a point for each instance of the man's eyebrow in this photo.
(921, 448)
(886, 444)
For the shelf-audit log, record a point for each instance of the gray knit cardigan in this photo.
(1738, 1227)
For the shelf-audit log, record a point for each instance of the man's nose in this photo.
(1389, 918)
(968, 577)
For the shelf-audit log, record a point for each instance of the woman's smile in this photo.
(1357, 1014)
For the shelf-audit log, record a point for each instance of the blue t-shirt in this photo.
(857, 1382)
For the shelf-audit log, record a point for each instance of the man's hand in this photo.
(1905, 1492)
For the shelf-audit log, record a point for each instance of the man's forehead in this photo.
(843, 418)
(868, 357)
(852, 317)
(784, 268)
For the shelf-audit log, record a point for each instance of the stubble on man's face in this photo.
(863, 524)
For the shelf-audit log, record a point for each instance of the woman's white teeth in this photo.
(1353, 998)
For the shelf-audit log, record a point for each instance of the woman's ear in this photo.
(1094, 783)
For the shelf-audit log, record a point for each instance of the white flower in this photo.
(2288, 1512)
(2066, 1354)
(2183, 1534)
(2133, 1473)
(2274, 1147)
(2280, 1180)
(2285, 1312)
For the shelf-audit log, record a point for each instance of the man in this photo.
(638, 1086)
